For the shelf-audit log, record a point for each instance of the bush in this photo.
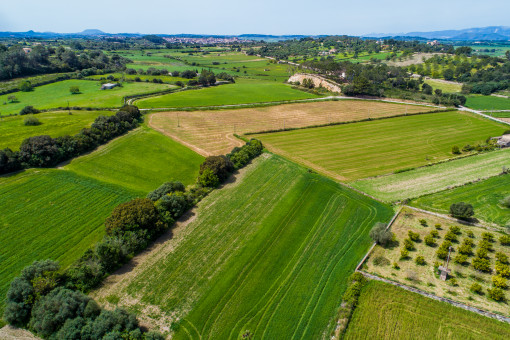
(502, 257)
(502, 269)
(404, 254)
(28, 110)
(220, 166)
(9, 161)
(500, 282)
(485, 245)
(461, 210)
(488, 237)
(415, 237)
(461, 259)
(25, 86)
(175, 204)
(208, 179)
(482, 264)
(136, 215)
(465, 249)
(434, 233)
(39, 151)
(31, 121)
(430, 241)
(165, 189)
(423, 222)
(453, 282)
(450, 236)
(476, 288)
(381, 261)
(241, 156)
(455, 150)
(438, 226)
(420, 260)
(408, 244)
(496, 294)
(470, 234)
(51, 312)
(22, 294)
(482, 253)
(504, 240)
(380, 235)
(74, 90)
(454, 229)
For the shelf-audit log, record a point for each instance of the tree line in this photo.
(53, 303)
(45, 151)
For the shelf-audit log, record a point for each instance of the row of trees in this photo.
(16, 62)
(41, 300)
(45, 151)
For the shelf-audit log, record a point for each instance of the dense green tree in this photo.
(461, 210)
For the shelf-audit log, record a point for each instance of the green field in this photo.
(484, 196)
(51, 214)
(359, 150)
(431, 179)
(445, 87)
(270, 253)
(243, 91)
(143, 77)
(58, 95)
(388, 312)
(488, 103)
(54, 124)
(141, 160)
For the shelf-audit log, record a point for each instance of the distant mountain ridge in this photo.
(501, 33)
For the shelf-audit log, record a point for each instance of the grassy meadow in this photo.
(388, 312)
(269, 253)
(51, 214)
(485, 196)
(427, 180)
(55, 124)
(58, 95)
(359, 150)
(446, 87)
(425, 277)
(141, 160)
(244, 91)
(487, 103)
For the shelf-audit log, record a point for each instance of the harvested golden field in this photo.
(212, 132)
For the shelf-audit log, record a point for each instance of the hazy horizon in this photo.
(229, 17)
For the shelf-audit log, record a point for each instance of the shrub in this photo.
(28, 110)
(438, 226)
(469, 242)
(381, 261)
(31, 121)
(408, 244)
(453, 282)
(135, 215)
(241, 156)
(486, 245)
(496, 294)
(465, 249)
(450, 236)
(430, 241)
(502, 257)
(423, 222)
(470, 234)
(164, 189)
(499, 281)
(415, 237)
(380, 235)
(482, 264)
(111, 252)
(455, 150)
(476, 288)
(461, 210)
(175, 204)
(455, 229)
(51, 312)
(461, 259)
(22, 294)
(504, 240)
(482, 253)
(208, 179)
(220, 166)
(489, 237)
(74, 90)
(434, 233)
(442, 253)
(25, 86)
(420, 260)
(502, 269)
(404, 254)
(39, 151)
(395, 265)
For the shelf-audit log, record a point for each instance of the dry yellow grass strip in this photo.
(212, 132)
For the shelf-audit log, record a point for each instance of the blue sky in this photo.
(261, 16)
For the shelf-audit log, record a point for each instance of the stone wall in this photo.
(317, 81)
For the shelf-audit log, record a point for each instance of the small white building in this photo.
(108, 86)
